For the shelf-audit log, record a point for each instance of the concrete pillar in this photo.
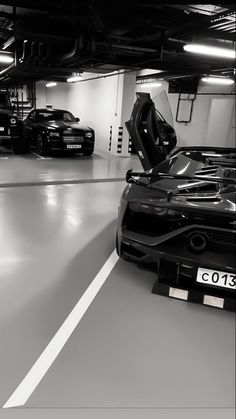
(119, 138)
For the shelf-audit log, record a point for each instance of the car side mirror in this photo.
(77, 119)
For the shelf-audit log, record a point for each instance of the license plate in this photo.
(1, 128)
(216, 278)
(73, 146)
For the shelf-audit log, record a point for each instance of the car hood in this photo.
(62, 125)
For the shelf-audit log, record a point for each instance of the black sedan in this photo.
(57, 130)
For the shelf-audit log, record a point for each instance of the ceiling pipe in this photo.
(13, 65)
(85, 45)
(6, 70)
(8, 43)
(78, 43)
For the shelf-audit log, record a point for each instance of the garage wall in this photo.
(98, 103)
(56, 96)
(101, 103)
(213, 118)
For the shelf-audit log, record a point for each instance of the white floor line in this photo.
(41, 157)
(50, 353)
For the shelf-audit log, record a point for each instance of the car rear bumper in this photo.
(178, 272)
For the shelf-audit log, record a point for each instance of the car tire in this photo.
(19, 145)
(88, 153)
(40, 145)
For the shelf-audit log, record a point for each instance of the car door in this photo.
(29, 125)
(147, 129)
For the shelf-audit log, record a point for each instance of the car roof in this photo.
(50, 110)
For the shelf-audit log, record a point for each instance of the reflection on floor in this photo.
(134, 355)
(31, 168)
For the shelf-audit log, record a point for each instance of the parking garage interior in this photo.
(81, 333)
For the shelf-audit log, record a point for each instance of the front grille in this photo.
(73, 138)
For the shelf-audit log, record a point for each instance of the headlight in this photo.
(54, 134)
(88, 134)
(13, 121)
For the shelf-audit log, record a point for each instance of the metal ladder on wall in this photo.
(185, 107)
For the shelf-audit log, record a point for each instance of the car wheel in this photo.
(88, 153)
(40, 146)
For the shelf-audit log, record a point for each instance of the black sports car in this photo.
(57, 130)
(178, 215)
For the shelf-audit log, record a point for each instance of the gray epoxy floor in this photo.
(134, 354)
(29, 167)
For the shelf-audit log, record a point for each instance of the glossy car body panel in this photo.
(179, 214)
(58, 133)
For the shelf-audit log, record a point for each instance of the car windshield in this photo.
(56, 116)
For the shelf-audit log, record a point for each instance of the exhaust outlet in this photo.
(197, 242)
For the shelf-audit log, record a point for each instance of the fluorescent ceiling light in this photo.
(218, 80)
(5, 58)
(147, 71)
(210, 51)
(147, 85)
(51, 84)
(74, 78)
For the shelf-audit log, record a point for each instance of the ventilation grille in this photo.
(198, 187)
(207, 171)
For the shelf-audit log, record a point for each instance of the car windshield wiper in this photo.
(158, 176)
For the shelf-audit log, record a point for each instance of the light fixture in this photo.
(218, 80)
(6, 58)
(74, 78)
(51, 84)
(210, 50)
(148, 85)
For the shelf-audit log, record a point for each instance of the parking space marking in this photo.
(60, 182)
(41, 157)
(52, 350)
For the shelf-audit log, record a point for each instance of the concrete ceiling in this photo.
(53, 39)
